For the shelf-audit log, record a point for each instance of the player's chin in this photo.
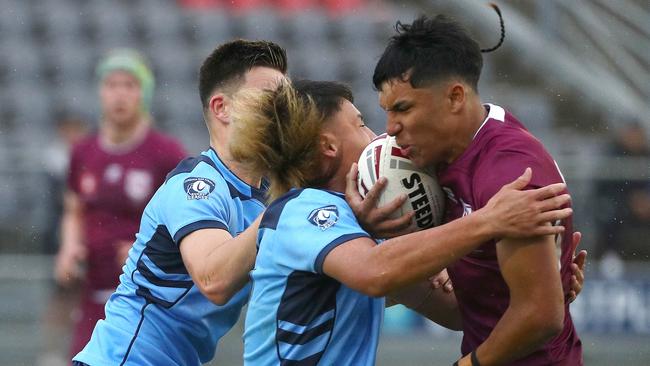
(418, 161)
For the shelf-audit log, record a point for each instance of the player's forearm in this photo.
(227, 266)
(403, 260)
(519, 332)
(536, 309)
(435, 304)
(228, 269)
(71, 229)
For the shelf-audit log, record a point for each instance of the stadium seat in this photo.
(178, 105)
(81, 96)
(309, 27)
(61, 19)
(295, 7)
(208, 29)
(315, 61)
(15, 18)
(172, 62)
(260, 24)
(112, 25)
(29, 103)
(360, 28)
(20, 60)
(178, 110)
(69, 62)
(159, 20)
(358, 63)
(366, 102)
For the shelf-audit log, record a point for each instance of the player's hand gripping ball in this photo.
(383, 158)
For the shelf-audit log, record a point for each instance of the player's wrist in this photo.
(474, 359)
(469, 360)
(484, 224)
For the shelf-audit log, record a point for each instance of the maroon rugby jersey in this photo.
(114, 187)
(500, 152)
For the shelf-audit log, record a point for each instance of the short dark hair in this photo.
(429, 50)
(227, 64)
(327, 95)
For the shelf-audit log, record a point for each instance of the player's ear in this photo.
(456, 94)
(328, 144)
(219, 106)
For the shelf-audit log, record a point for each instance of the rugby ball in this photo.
(383, 158)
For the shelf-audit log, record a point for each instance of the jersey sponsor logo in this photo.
(198, 188)
(324, 217)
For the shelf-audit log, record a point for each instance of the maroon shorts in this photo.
(91, 309)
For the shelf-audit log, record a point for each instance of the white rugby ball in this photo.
(383, 158)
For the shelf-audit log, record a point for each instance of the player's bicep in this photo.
(345, 263)
(530, 268)
(502, 168)
(193, 248)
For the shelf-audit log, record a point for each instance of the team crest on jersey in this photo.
(138, 184)
(198, 188)
(324, 217)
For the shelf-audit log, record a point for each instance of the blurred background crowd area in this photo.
(577, 73)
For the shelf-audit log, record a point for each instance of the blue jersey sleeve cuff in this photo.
(318, 265)
(203, 224)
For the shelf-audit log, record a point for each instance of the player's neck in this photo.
(332, 175)
(221, 149)
(121, 137)
(474, 116)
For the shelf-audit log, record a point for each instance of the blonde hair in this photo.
(276, 133)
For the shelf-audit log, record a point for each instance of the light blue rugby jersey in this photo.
(297, 315)
(157, 316)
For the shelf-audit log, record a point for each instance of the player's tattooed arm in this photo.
(218, 263)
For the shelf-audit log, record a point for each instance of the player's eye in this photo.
(362, 120)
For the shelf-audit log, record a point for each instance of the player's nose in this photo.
(393, 127)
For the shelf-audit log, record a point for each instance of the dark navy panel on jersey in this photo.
(157, 316)
(297, 315)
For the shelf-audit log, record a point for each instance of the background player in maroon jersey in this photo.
(510, 294)
(112, 175)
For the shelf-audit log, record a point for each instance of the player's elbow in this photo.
(547, 319)
(375, 282)
(218, 292)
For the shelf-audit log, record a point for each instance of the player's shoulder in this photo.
(86, 143)
(502, 131)
(306, 202)
(311, 196)
(198, 176)
(199, 164)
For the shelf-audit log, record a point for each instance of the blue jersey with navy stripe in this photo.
(157, 316)
(297, 315)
